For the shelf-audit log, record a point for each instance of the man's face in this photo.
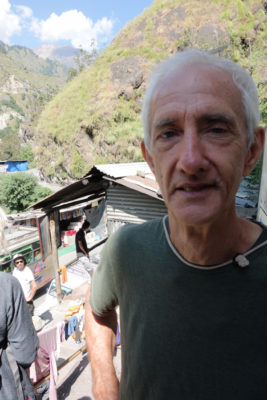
(20, 264)
(198, 146)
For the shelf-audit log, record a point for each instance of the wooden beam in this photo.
(55, 262)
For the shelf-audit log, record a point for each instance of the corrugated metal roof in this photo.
(147, 182)
(79, 205)
(25, 215)
(125, 169)
(71, 193)
(137, 176)
(130, 206)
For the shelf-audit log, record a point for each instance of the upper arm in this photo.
(31, 279)
(105, 283)
(34, 285)
(100, 335)
(107, 319)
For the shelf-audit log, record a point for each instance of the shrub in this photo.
(19, 190)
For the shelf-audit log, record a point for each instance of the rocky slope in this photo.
(62, 54)
(96, 117)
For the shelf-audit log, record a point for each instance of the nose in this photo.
(192, 156)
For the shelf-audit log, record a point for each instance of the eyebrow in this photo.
(165, 122)
(216, 118)
(203, 118)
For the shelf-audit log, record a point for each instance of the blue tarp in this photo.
(14, 166)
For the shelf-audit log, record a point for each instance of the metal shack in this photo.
(132, 194)
(110, 195)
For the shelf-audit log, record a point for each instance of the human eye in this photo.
(218, 130)
(167, 134)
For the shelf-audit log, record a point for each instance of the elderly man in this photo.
(191, 287)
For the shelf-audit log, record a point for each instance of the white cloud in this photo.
(24, 11)
(74, 26)
(10, 23)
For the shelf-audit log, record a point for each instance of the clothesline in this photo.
(45, 364)
(64, 363)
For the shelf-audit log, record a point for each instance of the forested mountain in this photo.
(96, 117)
(27, 82)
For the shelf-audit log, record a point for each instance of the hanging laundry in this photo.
(71, 326)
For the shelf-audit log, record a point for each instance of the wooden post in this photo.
(55, 259)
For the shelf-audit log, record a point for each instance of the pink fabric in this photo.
(48, 353)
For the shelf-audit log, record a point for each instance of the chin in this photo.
(197, 215)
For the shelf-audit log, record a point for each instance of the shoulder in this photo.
(10, 283)
(28, 271)
(79, 233)
(132, 235)
(151, 227)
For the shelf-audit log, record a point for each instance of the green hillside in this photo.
(25, 64)
(27, 83)
(96, 117)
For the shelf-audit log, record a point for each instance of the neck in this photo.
(213, 243)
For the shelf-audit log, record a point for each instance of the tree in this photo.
(27, 154)
(10, 147)
(19, 190)
(84, 58)
(71, 74)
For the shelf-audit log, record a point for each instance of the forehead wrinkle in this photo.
(179, 86)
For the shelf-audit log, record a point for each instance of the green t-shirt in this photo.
(186, 333)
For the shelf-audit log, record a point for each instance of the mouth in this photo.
(195, 188)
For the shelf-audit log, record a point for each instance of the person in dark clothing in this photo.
(18, 341)
(82, 250)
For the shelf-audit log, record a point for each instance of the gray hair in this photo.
(241, 78)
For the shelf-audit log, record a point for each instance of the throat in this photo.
(214, 245)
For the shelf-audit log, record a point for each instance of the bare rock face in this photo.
(127, 76)
(6, 116)
(26, 133)
(13, 85)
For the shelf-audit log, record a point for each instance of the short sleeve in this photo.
(104, 293)
(79, 235)
(30, 276)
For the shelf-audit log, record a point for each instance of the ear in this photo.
(254, 151)
(147, 156)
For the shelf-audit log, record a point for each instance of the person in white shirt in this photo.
(26, 279)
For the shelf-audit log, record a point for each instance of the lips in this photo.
(193, 189)
(189, 187)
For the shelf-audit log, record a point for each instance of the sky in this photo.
(79, 23)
